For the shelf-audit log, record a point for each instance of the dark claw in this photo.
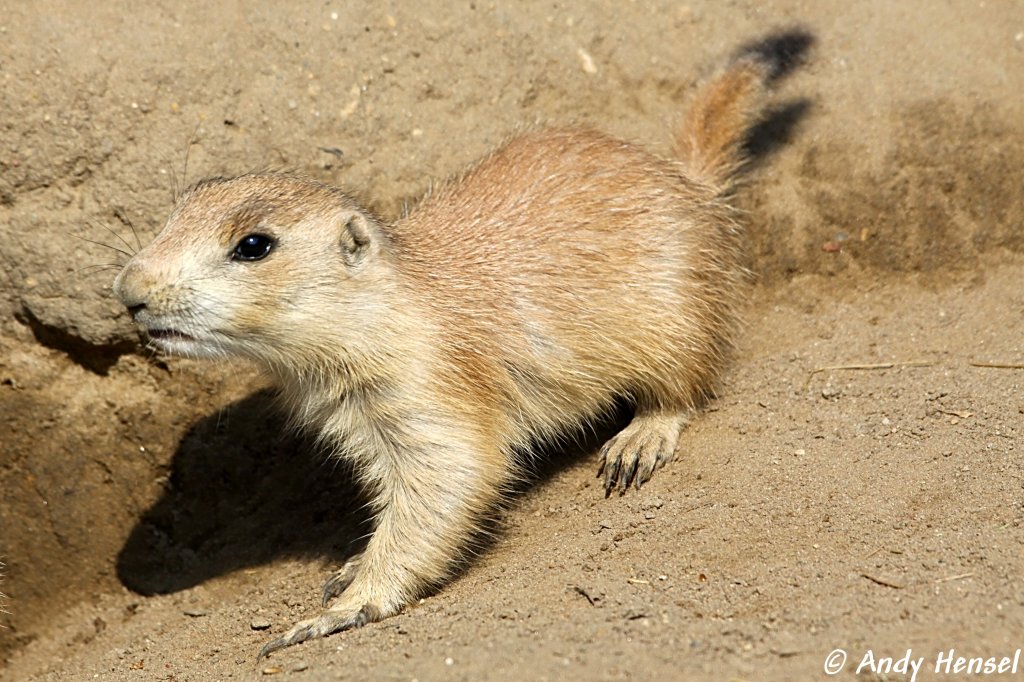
(627, 476)
(294, 637)
(326, 624)
(339, 581)
(611, 476)
(644, 474)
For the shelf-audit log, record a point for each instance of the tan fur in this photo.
(709, 139)
(564, 271)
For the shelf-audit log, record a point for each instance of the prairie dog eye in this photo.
(253, 247)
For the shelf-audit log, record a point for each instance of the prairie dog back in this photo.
(563, 273)
(557, 260)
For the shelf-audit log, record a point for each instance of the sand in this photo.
(856, 486)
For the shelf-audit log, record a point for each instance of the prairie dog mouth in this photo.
(168, 335)
(174, 342)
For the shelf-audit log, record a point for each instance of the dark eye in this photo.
(253, 247)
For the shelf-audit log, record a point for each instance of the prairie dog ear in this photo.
(357, 237)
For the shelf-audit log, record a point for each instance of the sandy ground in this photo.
(856, 486)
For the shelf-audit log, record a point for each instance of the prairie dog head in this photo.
(263, 266)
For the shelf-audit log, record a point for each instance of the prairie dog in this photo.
(517, 303)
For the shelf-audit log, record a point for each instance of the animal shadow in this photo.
(244, 489)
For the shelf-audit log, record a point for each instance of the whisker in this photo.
(113, 248)
(188, 150)
(169, 169)
(99, 266)
(135, 232)
(123, 217)
(123, 240)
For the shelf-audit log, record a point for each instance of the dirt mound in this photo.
(156, 514)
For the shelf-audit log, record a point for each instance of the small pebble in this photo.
(260, 625)
(586, 61)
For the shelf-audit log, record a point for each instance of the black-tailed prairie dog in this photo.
(562, 274)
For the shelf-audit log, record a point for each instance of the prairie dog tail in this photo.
(712, 136)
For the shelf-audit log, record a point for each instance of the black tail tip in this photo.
(782, 51)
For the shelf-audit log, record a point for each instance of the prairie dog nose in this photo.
(128, 287)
